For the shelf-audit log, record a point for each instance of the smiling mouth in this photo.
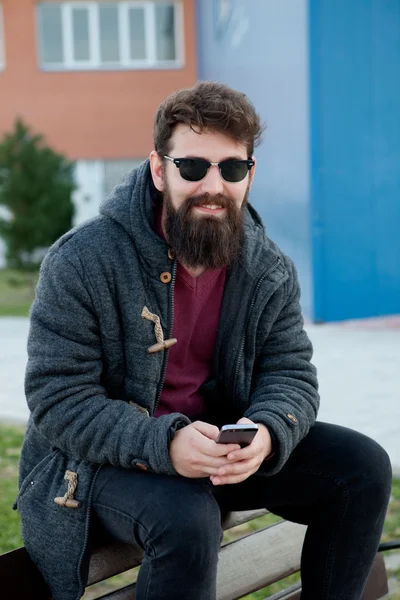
(210, 207)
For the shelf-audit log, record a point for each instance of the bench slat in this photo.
(238, 518)
(259, 559)
(112, 559)
(291, 593)
(126, 593)
(377, 584)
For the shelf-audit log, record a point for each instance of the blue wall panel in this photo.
(355, 87)
(262, 50)
(386, 93)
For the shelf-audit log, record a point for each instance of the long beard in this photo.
(202, 241)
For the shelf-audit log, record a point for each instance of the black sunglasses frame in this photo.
(178, 162)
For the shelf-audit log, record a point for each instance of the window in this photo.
(109, 35)
(114, 171)
(95, 180)
(2, 51)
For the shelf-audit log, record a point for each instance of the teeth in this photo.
(211, 206)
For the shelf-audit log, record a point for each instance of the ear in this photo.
(156, 170)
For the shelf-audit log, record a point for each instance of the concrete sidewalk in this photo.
(358, 364)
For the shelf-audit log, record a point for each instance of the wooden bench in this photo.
(246, 564)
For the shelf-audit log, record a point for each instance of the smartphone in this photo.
(242, 434)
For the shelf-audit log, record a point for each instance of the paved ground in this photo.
(358, 364)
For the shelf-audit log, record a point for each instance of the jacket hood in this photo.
(131, 204)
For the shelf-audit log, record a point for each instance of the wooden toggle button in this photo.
(162, 346)
(61, 501)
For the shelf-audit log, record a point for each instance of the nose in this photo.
(213, 182)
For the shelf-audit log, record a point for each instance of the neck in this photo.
(195, 272)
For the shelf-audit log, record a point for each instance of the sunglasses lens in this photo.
(192, 169)
(234, 170)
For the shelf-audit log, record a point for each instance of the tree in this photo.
(36, 186)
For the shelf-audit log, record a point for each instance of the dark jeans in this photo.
(336, 481)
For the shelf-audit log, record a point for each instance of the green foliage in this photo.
(16, 292)
(36, 186)
(391, 530)
(10, 449)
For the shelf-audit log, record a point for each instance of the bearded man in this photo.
(168, 315)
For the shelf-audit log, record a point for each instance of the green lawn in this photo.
(10, 445)
(15, 294)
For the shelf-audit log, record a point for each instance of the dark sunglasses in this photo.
(195, 169)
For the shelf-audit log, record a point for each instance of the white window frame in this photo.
(2, 41)
(125, 62)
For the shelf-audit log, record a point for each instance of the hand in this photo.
(194, 452)
(246, 461)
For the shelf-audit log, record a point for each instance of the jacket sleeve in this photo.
(68, 403)
(285, 389)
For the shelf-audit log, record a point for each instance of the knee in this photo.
(199, 519)
(374, 471)
(191, 527)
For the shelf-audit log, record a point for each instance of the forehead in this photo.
(212, 145)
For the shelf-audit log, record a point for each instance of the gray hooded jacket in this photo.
(92, 388)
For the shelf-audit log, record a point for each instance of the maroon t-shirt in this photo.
(197, 307)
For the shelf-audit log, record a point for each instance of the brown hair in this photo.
(208, 105)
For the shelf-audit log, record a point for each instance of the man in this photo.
(168, 315)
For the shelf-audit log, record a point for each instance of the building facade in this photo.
(324, 76)
(89, 75)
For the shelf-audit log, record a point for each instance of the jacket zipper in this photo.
(171, 325)
(260, 281)
(81, 586)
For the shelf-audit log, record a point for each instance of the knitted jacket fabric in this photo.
(92, 387)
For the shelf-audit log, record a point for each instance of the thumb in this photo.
(245, 421)
(210, 431)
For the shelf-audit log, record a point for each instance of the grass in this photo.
(15, 294)
(10, 445)
(10, 537)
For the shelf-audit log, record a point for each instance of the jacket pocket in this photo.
(31, 479)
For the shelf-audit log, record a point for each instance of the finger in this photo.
(238, 468)
(204, 461)
(246, 453)
(210, 431)
(208, 471)
(245, 421)
(225, 449)
(210, 448)
(217, 480)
